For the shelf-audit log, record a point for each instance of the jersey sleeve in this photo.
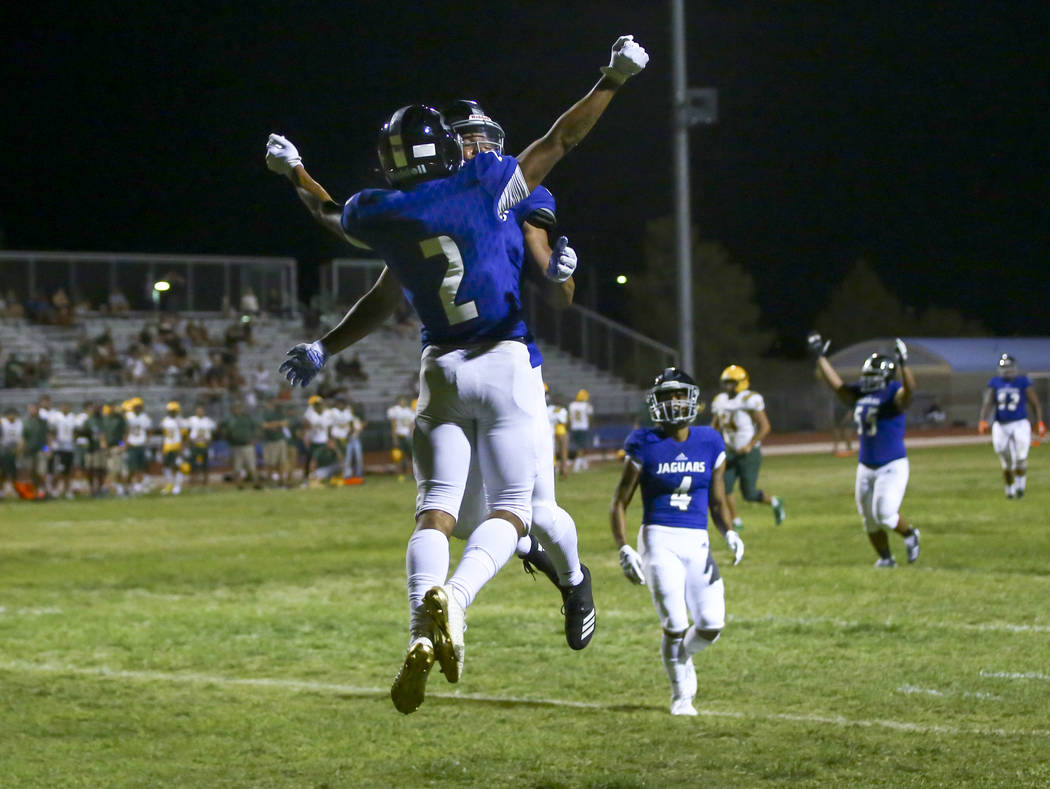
(633, 447)
(538, 209)
(755, 402)
(352, 221)
(502, 178)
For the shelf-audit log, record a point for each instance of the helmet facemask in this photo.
(1007, 367)
(876, 372)
(673, 403)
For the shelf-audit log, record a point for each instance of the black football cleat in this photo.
(579, 611)
(539, 559)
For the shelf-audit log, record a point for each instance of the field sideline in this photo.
(249, 639)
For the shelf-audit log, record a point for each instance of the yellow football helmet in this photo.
(173, 406)
(396, 455)
(583, 396)
(314, 399)
(736, 375)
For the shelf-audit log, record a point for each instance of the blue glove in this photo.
(304, 362)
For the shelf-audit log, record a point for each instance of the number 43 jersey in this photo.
(676, 475)
(1010, 398)
(446, 241)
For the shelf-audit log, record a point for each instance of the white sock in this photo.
(488, 548)
(693, 642)
(674, 658)
(524, 546)
(556, 531)
(1019, 482)
(738, 522)
(426, 565)
(1010, 489)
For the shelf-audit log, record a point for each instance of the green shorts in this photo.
(199, 458)
(8, 464)
(136, 459)
(746, 468)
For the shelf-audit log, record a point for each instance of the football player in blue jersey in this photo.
(878, 402)
(680, 468)
(444, 232)
(552, 270)
(1009, 395)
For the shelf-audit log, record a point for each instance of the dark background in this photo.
(912, 134)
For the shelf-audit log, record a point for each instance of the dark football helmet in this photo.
(465, 116)
(877, 371)
(1007, 366)
(674, 398)
(416, 145)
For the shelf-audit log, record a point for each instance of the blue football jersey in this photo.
(446, 241)
(880, 425)
(1011, 398)
(676, 476)
(539, 202)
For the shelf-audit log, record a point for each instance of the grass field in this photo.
(249, 639)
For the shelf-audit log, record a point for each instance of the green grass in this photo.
(249, 639)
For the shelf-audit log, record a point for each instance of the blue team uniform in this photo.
(676, 476)
(447, 243)
(1011, 400)
(539, 204)
(880, 425)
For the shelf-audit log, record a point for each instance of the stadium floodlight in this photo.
(161, 285)
(621, 279)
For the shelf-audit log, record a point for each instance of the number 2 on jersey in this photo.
(680, 498)
(445, 247)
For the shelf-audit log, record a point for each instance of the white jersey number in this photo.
(680, 498)
(867, 421)
(1008, 399)
(445, 247)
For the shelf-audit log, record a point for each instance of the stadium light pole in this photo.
(691, 107)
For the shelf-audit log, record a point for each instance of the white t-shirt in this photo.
(735, 423)
(138, 427)
(580, 413)
(317, 432)
(201, 429)
(10, 432)
(402, 418)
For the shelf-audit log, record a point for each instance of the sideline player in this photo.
(200, 431)
(878, 404)
(455, 270)
(680, 469)
(580, 413)
(138, 424)
(739, 414)
(1010, 395)
(171, 429)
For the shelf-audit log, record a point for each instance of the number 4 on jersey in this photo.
(680, 498)
(445, 247)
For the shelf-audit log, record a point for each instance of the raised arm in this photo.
(539, 158)
(905, 394)
(818, 347)
(551, 269)
(282, 157)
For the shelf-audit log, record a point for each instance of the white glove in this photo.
(902, 352)
(627, 59)
(818, 346)
(563, 261)
(736, 545)
(304, 362)
(631, 564)
(281, 156)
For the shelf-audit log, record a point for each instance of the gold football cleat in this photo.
(447, 617)
(411, 681)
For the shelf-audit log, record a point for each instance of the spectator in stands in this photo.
(13, 305)
(350, 368)
(63, 308)
(197, 333)
(118, 303)
(241, 431)
(38, 309)
(262, 385)
(274, 303)
(249, 302)
(14, 372)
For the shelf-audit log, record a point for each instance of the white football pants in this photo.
(879, 493)
(1011, 442)
(683, 578)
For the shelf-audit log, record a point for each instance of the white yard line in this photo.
(1013, 675)
(1002, 627)
(352, 690)
(911, 690)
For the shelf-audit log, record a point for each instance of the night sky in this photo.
(913, 134)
